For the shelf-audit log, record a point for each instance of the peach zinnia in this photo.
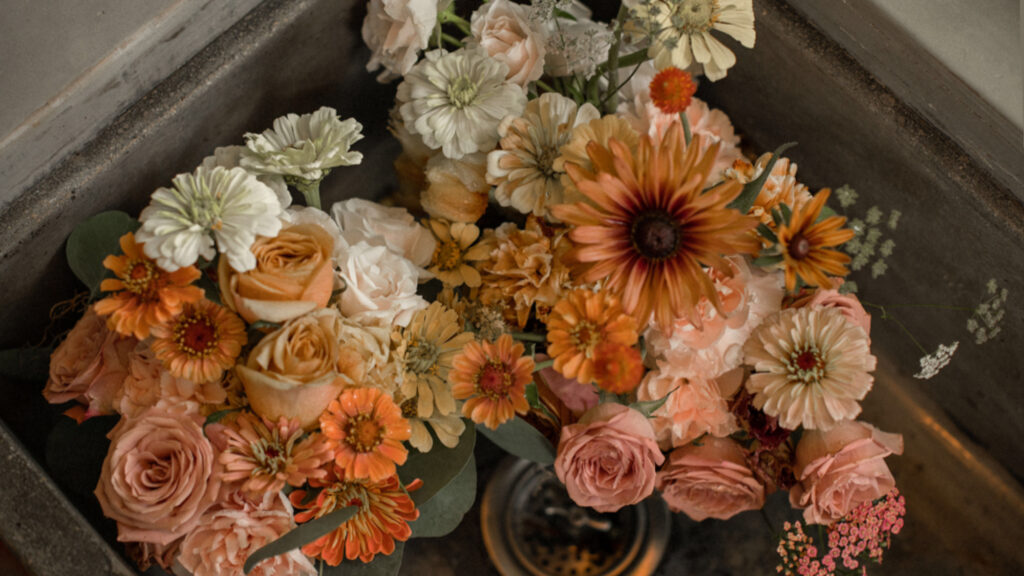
(492, 378)
(578, 324)
(617, 368)
(365, 429)
(265, 456)
(200, 343)
(146, 295)
(652, 226)
(805, 244)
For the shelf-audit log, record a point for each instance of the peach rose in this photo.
(698, 406)
(235, 528)
(503, 28)
(148, 382)
(159, 476)
(710, 481)
(294, 274)
(89, 365)
(295, 371)
(841, 468)
(848, 304)
(607, 459)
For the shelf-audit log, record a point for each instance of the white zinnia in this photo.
(229, 207)
(304, 147)
(680, 31)
(455, 100)
(231, 157)
(396, 31)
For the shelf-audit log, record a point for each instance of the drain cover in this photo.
(532, 528)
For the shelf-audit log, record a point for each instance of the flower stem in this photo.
(887, 316)
(451, 40)
(545, 86)
(613, 61)
(542, 365)
(528, 337)
(686, 127)
(310, 191)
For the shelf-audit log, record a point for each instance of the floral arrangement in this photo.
(579, 263)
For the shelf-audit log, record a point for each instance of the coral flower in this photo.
(617, 368)
(266, 456)
(365, 429)
(385, 510)
(147, 296)
(652, 225)
(200, 343)
(672, 90)
(578, 324)
(805, 244)
(492, 378)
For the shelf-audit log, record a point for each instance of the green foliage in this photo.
(25, 364)
(648, 408)
(444, 512)
(300, 536)
(745, 200)
(380, 566)
(519, 438)
(438, 467)
(92, 241)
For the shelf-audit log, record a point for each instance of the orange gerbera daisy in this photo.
(493, 376)
(385, 510)
(805, 244)
(578, 324)
(672, 90)
(265, 456)
(200, 343)
(617, 368)
(146, 295)
(652, 226)
(365, 429)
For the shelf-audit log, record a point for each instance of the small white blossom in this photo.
(989, 314)
(304, 147)
(577, 48)
(933, 363)
(873, 216)
(894, 219)
(878, 268)
(847, 196)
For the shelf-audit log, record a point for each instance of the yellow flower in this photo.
(454, 251)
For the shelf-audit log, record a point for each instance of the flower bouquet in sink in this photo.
(579, 263)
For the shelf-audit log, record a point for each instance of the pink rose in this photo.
(148, 382)
(607, 459)
(841, 468)
(503, 28)
(89, 365)
(235, 528)
(710, 481)
(159, 475)
(848, 304)
(577, 397)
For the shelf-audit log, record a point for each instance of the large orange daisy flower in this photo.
(201, 342)
(579, 324)
(805, 244)
(365, 429)
(652, 225)
(493, 376)
(145, 294)
(385, 510)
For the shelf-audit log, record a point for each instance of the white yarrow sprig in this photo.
(931, 364)
(207, 211)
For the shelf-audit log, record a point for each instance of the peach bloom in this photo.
(504, 29)
(89, 366)
(848, 304)
(617, 368)
(781, 187)
(148, 382)
(711, 480)
(159, 476)
(235, 528)
(697, 406)
(841, 468)
(492, 377)
(456, 190)
(200, 343)
(294, 274)
(607, 459)
(365, 429)
(296, 370)
(578, 323)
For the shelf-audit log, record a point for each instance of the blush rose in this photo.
(710, 480)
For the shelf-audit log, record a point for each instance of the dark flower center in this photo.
(494, 381)
(655, 235)
(196, 334)
(799, 247)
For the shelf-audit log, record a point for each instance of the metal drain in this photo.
(532, 528)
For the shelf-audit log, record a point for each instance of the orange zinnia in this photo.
(264, 456)
(200, 343)
(672, 90)
(652, 227)
(805, 242)
(385, 510)
(617, 368)
(365, 429)
(578, 324)
(146, 295)
(493, 376)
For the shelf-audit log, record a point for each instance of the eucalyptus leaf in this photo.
(745, 200)
(438, 467)
(25, 364)
(218, 416)
(648, 408)
(519, 438)
(381, 565)
(767, 233)
(300, 536)
(768, 260)
(92, 241)
(75, 452)
(444, 512)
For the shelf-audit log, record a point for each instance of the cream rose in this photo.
(396, 31)
(504, 29)
(159, 476)
(380, 286)
(297, 370)
(294, 274)
(839, 469)
(607, 460)
(711, 480)
(364, 221)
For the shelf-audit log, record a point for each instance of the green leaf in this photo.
(25, 364)
(517, 437)
(300, 536)
(381, 565)
(444, 512)
(786, 211)
(438, 467)
(648, 408)
(767, 260)
(564, 15)
(218, 416)
(826, 212)
(745, 200)
(767, 233)
(75, 452)
(92, 241)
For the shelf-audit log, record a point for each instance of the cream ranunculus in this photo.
(380, 286)
(504, 29)
(365, 221)
(396, 31)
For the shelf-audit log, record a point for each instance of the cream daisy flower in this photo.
(303, 148)
(680, 31)
(811, 367)
(223, 207)
(455, 100)
(523, 167)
